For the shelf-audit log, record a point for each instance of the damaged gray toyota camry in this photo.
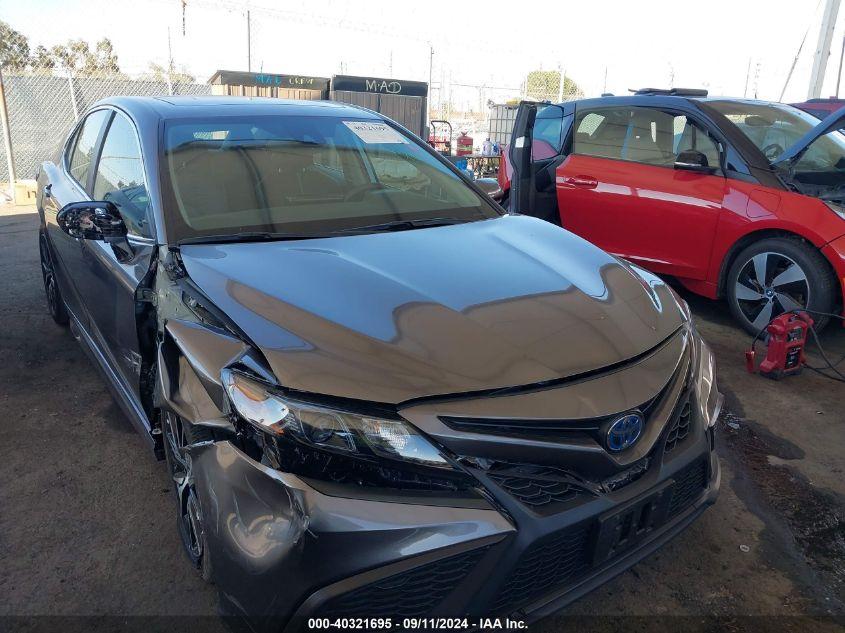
(377, 394)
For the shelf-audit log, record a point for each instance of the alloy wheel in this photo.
(769, 284)
(174, 435)
(179, 464)
(50, 287)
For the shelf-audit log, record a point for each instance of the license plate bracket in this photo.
(623, 528)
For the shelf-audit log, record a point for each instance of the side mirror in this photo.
(693, 160)
(92, 221)
(491, 187)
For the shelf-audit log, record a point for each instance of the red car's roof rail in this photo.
(673, 92)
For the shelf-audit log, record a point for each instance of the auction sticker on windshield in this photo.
(370, 132)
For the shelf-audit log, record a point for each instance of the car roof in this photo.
(661, 100)
(184, 106)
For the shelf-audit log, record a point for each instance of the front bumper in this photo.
(284, 549)
(284, 552)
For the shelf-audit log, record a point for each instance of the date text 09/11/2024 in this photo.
(429, 624)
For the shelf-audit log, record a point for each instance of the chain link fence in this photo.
(42, 107)
(488, 111)
(48, 85)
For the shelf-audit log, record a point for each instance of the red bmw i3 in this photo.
(737, 199)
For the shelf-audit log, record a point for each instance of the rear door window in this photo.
(86, 143)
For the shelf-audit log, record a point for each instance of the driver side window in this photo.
(120, 176)
(549, 133)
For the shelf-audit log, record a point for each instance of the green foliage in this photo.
(157, 72)
(544, 85)
(14, 48)
(75, 56)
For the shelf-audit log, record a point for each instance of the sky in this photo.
(602, 45)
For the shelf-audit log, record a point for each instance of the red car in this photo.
(820, 108)
(735, 198)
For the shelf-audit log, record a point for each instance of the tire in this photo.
(55, 302)
(796, 276)
(176, 433)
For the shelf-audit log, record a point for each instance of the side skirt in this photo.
(119, 392)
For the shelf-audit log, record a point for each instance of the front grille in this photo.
(680, 427)
(561, 558)
(550, 562)
(413, 593)
(540, 488)
(545, 428)
(690, 482)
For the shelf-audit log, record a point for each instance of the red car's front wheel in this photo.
(776, 275)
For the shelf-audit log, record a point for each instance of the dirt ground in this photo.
(87, 527)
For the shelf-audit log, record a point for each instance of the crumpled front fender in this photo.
(275, 540)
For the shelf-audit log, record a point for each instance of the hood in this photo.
(834, 121)
(389, 317)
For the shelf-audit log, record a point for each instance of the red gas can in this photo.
(464, 145)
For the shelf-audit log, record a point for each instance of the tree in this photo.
(42, 60)
(14, 48)
(544, 85)
(157, 72)
(77, 58)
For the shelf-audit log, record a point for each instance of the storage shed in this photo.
(241, 84)
(403, 101)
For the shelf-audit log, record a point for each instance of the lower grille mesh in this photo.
(548, 563)
(689, 484)
(413, 593)
(680, 427)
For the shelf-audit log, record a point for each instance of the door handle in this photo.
(48, 190)
(584, 182)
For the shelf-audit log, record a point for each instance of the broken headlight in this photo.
(329, 444)
(707, 393)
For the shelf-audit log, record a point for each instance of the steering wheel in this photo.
(356, 193)
(772, 151)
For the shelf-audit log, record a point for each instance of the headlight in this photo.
(837, 208)
(293, 424)
(707, 394)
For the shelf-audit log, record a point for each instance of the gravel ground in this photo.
(87, 527)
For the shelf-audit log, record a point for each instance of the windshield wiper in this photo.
(407, 225)
(251, 236)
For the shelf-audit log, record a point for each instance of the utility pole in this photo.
(839, 74)
(430, 67)
(748, 74)
(248, 44)
(831, 10)
(169, 64)
(7, 138)
(562, 74)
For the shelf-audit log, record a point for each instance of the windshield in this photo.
(304, 176)
(774, 127)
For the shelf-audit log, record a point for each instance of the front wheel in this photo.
(177, 434)
(777, 275)
(55, 302)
